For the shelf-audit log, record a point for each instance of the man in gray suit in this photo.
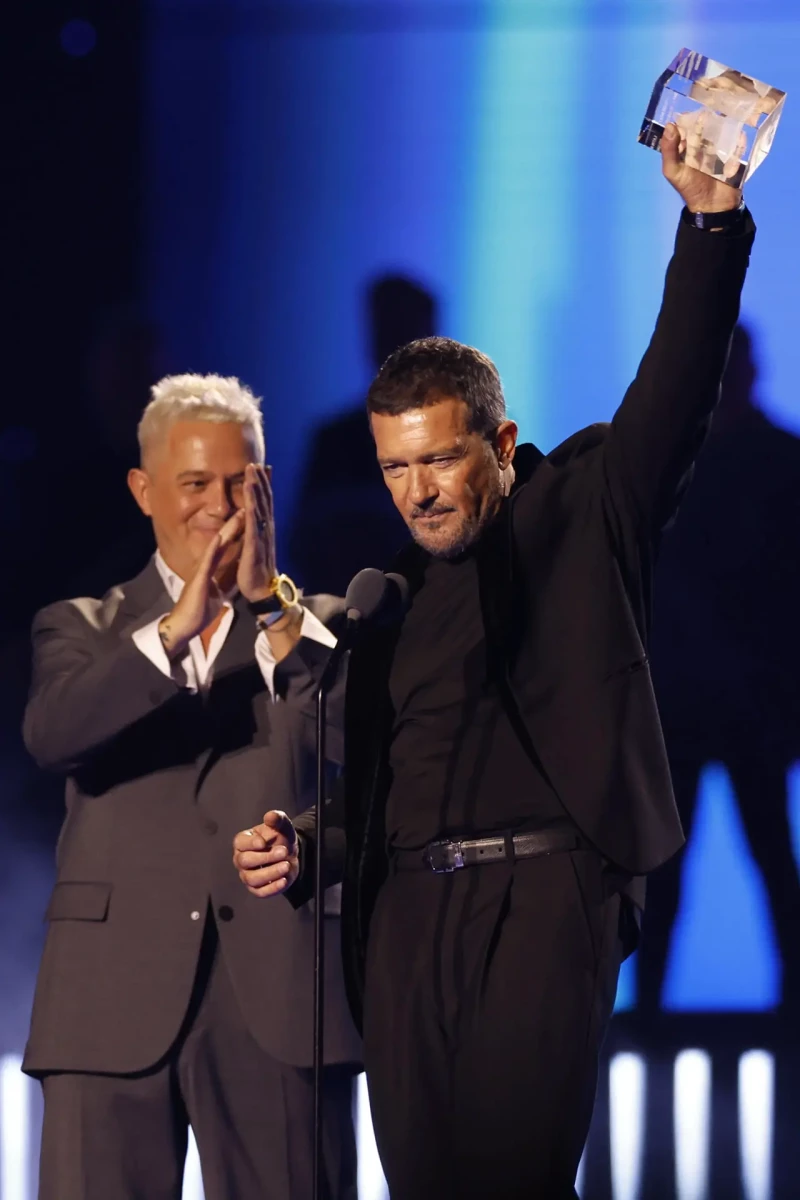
(180, 706)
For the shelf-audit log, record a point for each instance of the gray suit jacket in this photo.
(158, 782)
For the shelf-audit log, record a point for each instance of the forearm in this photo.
(284, 635)
(303, 889)
(681, 370)
(658, 428)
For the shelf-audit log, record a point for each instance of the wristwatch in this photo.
(720, 220)
(283, 596)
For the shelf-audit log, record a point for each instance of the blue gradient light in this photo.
(723, 949)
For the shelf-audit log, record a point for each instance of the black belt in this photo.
(446, 855)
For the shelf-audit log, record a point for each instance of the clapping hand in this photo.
(200, 600)
(257, 568)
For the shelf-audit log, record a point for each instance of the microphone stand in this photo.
(370, 595)
(327, 680)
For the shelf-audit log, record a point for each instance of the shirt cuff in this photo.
(311, 628)
(147, 640)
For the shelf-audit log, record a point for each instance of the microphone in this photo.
(375, 597)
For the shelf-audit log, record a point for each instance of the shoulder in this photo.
(563, 481)
(95, 615)
(579, 445)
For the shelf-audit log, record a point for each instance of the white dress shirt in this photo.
(197, 667)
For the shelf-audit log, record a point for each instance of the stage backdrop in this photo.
(298, 149)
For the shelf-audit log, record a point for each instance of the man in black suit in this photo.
(178, 706)
(509, 727)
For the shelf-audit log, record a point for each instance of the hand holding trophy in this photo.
(726, 120)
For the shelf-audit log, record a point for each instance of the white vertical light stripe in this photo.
(626, 1089)
(692, 1121)
(192, 1175)
(14, 1129)
(371, 1181)
(756, 1106)
(580, 1178)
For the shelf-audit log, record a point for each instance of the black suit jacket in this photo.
(566, 579)
(158, 782)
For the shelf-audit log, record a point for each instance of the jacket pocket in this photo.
(630, 668)
(79, 902)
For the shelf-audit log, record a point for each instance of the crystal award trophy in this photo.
(726, 120)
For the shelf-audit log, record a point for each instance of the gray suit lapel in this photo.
(142, 600)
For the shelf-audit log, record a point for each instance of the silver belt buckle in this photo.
(444, 857)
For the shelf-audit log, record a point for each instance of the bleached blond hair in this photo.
(200, 398)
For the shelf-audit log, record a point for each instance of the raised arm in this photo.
(661, 423)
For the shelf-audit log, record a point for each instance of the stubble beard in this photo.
(467, 533)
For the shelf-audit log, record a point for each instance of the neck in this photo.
(225, 579)
(175, 567)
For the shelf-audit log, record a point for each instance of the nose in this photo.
(422, 489)
(219, 503)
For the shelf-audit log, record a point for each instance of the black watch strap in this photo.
(720, 220)
(283, 596)
(260, 608)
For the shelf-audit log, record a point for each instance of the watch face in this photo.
(286, 591)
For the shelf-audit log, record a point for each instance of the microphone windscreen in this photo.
(399, 600)
(366, 594)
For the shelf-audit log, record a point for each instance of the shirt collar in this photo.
(175, 585)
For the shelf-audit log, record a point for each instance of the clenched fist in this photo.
(266, 856)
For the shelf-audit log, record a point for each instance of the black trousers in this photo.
(488, 993)
(113, 1137)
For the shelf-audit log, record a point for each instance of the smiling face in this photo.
(189, 485)
(446, 481)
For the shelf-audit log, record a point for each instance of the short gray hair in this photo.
(200, 398)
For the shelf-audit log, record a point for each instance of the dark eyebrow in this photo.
(454, 451)
(447, 452)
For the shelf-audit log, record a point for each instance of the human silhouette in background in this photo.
(726, 654)
(344, 518)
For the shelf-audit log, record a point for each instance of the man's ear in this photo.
(139, 484)
(505, 443)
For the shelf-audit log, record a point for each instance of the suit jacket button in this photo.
(195, 915)
(225, 912)
(211, 827)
